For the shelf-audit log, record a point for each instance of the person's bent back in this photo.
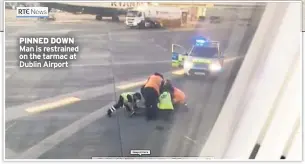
(179, 96)
(155, 82)
(151, 92)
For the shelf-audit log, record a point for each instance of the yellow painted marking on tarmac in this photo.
(130, 85)
(178, 72)
(53, 105)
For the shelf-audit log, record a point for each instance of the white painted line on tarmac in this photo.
(161, 47)
(16, 112)
(188, 138)
(7, 76)
(9, 154)
(120, 63)
(54, 32)
(50, 142)
(9, 41)
(101, 55)
(10, 126)
(63, 134)
(158, 45)
(233, 58)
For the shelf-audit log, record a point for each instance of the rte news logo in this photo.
(32, 12)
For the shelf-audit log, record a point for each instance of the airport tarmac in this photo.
(60, 114)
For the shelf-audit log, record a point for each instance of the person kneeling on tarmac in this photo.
(178, 97)
(166, 106)
(165, 101)
(127, 100)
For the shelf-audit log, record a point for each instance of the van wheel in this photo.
(140, 25)
(147, 24)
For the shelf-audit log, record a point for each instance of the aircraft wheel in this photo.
(98, 17)
(115, 19)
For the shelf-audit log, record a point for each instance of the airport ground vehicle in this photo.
(153, 17)
(203, 58)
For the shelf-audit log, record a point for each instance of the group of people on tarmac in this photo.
(156, 94)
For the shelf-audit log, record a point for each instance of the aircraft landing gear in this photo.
(115, 18)
(98, 17)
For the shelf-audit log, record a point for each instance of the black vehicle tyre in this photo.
(98, 17)
(147, 24)
(157, 25)
(141, 25)
(115, 19)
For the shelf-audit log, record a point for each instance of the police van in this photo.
(203, 58)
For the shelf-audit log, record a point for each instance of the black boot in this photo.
(149, 114)
(109, 112)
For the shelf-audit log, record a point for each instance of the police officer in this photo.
(151, 92)
(127, 100)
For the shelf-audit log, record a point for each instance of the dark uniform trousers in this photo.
(151, 101)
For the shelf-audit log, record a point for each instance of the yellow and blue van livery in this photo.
(178, 55)
(204, 57)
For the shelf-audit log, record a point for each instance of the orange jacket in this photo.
(179, 96)
(155, 82)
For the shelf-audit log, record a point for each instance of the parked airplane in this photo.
(100, 9)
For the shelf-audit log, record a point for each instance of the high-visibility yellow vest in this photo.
(125, 94)
(165, 101)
